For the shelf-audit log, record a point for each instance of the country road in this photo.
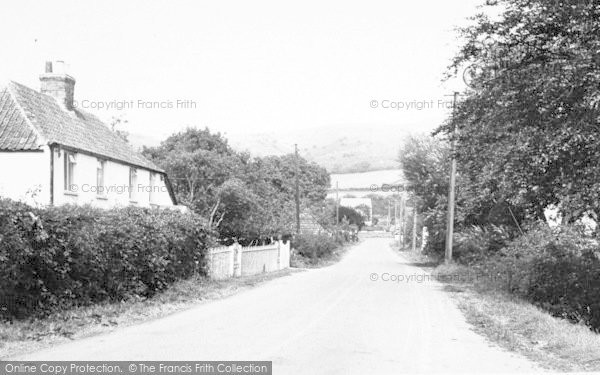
(334, 320)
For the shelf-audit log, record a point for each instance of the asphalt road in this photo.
(335, 320)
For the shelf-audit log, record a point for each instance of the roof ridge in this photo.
(41, 138)
(125, 143)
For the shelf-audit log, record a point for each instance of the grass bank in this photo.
(318, 250)
(299, 261)
(25, 336)
(513, 323)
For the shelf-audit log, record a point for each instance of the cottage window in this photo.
(152, 187)
(69, 172)
(132, 184)
(100, 188)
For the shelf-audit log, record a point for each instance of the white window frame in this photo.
(101, 179)
(152, 194)
(133, 174)
(70, 172)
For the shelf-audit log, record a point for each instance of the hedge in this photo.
(316, 246)
(556, 269)
(61, 257)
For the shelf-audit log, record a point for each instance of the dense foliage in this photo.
(67, 256)
(556, 269)
(316, 246)
(528, 129)
(527, 134)
(244, 198)
(425, 164)
(350, 216)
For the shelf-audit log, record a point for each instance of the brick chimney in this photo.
(58, 84)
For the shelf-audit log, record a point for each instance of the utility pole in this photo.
(450, 224)
(414, 228)
(337, 203)
(389, 214)
(297, 190)
(395, 214)
(402, 219)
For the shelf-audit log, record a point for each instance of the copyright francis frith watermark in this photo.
(423, 278)
(387, 188)
(116, 189)
(411, 105)
(137, 104)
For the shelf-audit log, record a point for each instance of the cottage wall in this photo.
(84, 190)
(25, 176)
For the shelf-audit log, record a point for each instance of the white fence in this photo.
(236, 260)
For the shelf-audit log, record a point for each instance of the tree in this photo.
(528, 130)
(197, 163)
(242, 197)
(115, 123)
(352, 216)
(425, 162)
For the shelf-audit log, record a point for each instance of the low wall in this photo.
(235, 260)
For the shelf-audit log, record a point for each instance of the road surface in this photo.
(334, 320)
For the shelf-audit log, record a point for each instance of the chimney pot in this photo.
(56, 83)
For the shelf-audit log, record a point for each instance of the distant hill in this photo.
(339, 149)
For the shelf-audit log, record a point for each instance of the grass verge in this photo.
(300, 262)
(33, 334)
(513, 323)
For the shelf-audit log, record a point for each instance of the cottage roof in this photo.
(29, 120)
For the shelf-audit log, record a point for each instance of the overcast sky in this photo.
(248, 66)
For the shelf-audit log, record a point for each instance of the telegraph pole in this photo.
(414, 228)
(450, 224)
(337, 203)
(389, 214)
(403, 219)
(297, 190)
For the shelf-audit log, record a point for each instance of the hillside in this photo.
(340, 150)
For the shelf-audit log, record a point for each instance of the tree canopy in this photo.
(242, 197)
(528, 128)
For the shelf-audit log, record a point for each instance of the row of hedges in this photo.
(67, 256)
(317, 246)
(557, 269)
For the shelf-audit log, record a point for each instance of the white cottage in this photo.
(52, 153)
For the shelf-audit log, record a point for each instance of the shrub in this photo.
(476, 243)
(435, 221)
(67, 256)
(316, 246)
(556, 269)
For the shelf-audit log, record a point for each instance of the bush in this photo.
(435, 220)
(556, 269)
(316, 246)
(476, 243)
(66, 256)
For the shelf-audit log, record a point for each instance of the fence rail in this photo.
(237, 260)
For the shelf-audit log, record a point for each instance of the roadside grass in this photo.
(25, 336)
(513, 323)
(300, 262)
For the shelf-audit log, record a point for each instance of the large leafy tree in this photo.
(528, 129)
(198, 163)
(242, 197)
(425, 162)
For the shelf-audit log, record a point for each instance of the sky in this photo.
(243, 66)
